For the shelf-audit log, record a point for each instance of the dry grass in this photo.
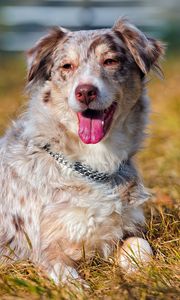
(160, 165)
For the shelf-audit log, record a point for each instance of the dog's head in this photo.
(96, 75)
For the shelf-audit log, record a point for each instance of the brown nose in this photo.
(86, 93)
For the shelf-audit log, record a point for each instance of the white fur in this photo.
(63, 273)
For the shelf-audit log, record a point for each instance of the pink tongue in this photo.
(90, 130)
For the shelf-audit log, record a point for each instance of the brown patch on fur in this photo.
(94, 44)
(22, 201)
(47, 96)
(18, 222)
(42, 54)
(126, 191)
(55, 140)
(105, 39)
(64, 75)
(30, 220)
(14, 174)
(111, 43)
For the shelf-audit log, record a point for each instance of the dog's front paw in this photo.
(63, 274)
(134, 253)
(67, 275)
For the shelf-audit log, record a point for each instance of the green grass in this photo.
(159, 162)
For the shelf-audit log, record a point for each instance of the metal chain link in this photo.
(85, 170)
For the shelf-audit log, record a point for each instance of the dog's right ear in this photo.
(39, 58)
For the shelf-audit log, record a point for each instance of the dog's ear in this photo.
(145, 51)
(39, 58)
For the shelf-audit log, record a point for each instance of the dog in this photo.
(69, 186)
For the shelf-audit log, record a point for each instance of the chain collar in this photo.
(124, 173)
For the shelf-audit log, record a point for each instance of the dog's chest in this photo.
(93, 216)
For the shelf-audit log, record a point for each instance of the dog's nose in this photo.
(86, 93)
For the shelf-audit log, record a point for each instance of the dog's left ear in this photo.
(39, 58)
(145, 51)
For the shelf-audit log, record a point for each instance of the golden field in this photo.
(159, 163)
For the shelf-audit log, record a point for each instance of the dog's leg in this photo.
(19, 239)
(59, 254)
(134, 253)
(56, 259)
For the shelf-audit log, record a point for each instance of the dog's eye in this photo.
(110, 62)
(67, 66)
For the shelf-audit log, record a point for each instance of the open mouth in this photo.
(94, 124)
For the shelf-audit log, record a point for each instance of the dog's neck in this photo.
(124, 174)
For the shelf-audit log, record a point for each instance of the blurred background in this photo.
(22, 22)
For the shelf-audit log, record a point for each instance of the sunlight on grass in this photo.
(159, 162)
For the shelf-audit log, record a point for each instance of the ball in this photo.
(134, 253)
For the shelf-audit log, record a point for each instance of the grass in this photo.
(160, 165)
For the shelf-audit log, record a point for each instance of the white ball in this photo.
(134, 253)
